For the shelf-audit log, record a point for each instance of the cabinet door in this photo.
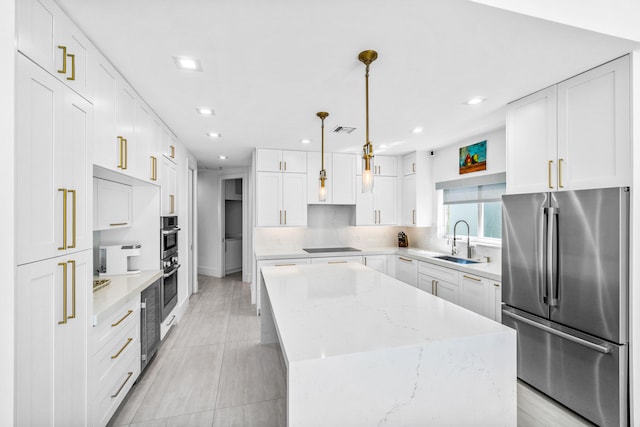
(447, 291)
(365, 214)
(169, 185)
(294, 199)
(114, 203)
(269, 199)
(409, 164)
(155, 152)
(532, 143)
(268, 160)
(54, 392)
(294, 161)
(71, 60)
(409, 200)
(427, 283)
(125, 119)
(313, 178)
(140, 151)
(106, 145)
(384, 199)
(337, 260)
(495, 301)
(343, 174)
(377, 262)
(474, 293)
(407, 270)
(385, 166)
(594, 141)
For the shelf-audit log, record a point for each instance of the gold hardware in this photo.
(496, 285)
(73, 289)
(280, 217)
(284, 265)
(413, 216)
(115, 356)
(436, 293)
(64, 293)
(172, 201)
(121, 164)
(73, 220)
(365, 260)
(64, 219)
(126, 152)
(123, 317)
(560, 173)
(73, 67)
(405, 259)
(433, 287)
(285, 213)
(118, 224)
(173, 151)
(64, 60)
(323, 173)
(285, 166)
(413, 167)
(367, 57)
(549, 167)
(471, 278)
(280, 167)
(336, 262)
(153, 168)
(122, 386)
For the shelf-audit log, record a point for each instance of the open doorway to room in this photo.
(232, 225)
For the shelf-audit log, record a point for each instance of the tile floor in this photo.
(211, 370)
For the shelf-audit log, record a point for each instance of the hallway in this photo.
(211, 369)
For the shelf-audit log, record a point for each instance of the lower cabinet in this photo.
(407, 270)
(377, 262)
(289, 262)
(116, 359)
(52, 307)
(477, 294)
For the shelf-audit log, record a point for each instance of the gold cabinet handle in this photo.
(436, 287)
(64, 219)
(284, 265)
(285, 212)
(173, 151)
(280, 167)
(73, 219)
(405, 259)
(549, 168)
(115, 356)
(73, 67)
(413, 215)
(126, 152)
(123, 317)
(121, 153)
(337, 262)
(64, 293)
(153, 168)
(471, 278)
(64, 60)
(172, 199)
(560, 173)
(117, 224)
(73, 289)
(496, 285)
(413, 167)
(122, 386)
(280, 217)
(433, 287)
(285, 166)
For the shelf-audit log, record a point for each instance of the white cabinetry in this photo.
(439, 281)
(337, 260)
(341, 182)
(574, 135)
(382, 166)
(169, 185)
(377, 262)
(497, 301)
(113, 205)
(407, 270)
(281, 199)
(281, 161)
(477, 294)
(53, 196)
(379, 207)
(50, 39)
(417, 200)
(52, 319)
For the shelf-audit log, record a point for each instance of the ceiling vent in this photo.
(343, 129)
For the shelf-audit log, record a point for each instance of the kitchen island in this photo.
(364, 349)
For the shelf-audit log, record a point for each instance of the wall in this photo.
(184, 161)
(7, 234)
(208, 233)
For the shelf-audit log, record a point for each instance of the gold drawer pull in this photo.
(337, 262)
(405, 259)
(123, 317)
(64, 60)
(471, 278)
(122, 349)
(118, 224)
(73, 289)
(64, 293)
(549, 169)
(496, 285)
(121, 153)
(560, 173)
(122, 386)
(173, 151)
(73, 66)
(284, 265)
(64, 219)
(73, 219)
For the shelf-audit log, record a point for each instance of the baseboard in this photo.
(235, 270)
(209, 271)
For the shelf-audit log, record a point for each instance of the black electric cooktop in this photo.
(319, 250)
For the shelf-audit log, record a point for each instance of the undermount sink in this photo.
(457, 260)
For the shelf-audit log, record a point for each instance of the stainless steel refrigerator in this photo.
(565, 262)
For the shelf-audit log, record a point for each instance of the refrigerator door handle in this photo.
(606, 349)
(552, 297)
(541, 253)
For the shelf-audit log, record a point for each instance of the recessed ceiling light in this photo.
(204, 111)
(305, 141)
(214, 135)
(417, 129)
(475, 100)
(186, 63)
(383, 145)
(223, 157)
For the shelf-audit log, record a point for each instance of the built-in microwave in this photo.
(169, 236)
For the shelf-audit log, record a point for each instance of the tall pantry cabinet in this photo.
(53, 206)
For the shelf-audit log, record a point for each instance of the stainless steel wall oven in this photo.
(169, 263)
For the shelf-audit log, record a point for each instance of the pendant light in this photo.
(323, 173)
(367, 57)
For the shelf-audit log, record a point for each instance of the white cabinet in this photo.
(113, 205)
(382, 166)
(169, 185)
(477, 294)
(439, 281)
(281, 161)
(103, 81)
(448, 291)
(379, 207)
(407, 270)
(409, 200)
(50, 39)
(284, 263)
(409, 164)
(53, 193)
(337, 260)
(377, 262)
(281, 199)
(574, 135)
(232, 255)
(340, 183)
(52, 306)
(417, 200)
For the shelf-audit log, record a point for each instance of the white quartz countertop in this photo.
(119, 291)
(328, 310)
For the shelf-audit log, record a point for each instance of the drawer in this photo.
(121, 346)
(337, 260)
(115, 387)
(441, 273)
(120, 320)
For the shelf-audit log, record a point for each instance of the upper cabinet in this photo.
(379, 207)
(169, 185)
(574, 135)
(113, 205)
(409, 164)
(281, 161)
(53, 196)
(50, 39)
(340, 183)
(382, 166)
(417, 201)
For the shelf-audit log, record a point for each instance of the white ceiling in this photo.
(269, 66)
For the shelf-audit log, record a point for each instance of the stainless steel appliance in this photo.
(169, 263)
(150, 318)
(565, 290)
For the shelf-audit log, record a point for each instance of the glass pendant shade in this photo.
(322, 196)
(367, 175)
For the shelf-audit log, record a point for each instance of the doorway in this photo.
(192, 233)
(232, 225)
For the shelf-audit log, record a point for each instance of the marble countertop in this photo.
(490, 270)
(329, 310)
(119, 291)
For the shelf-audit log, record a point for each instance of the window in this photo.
(478, 201)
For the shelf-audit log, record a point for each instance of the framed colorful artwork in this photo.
(473, 158)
